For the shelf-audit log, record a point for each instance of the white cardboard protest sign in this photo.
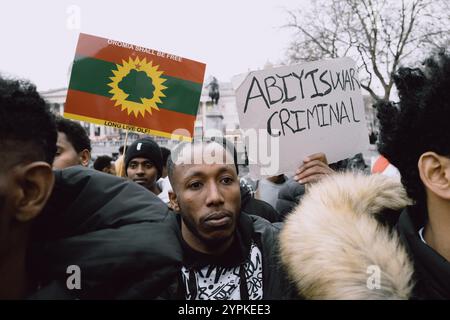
(302, 109)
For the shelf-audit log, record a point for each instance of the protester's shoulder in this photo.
(262, 225)
(87, 181)
(85, 200)
(288, 197)
(81, 176)
(139, 250)
(260, 208)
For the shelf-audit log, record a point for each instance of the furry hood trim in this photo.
(333, 247)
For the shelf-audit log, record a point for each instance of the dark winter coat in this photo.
(289, 197)
(104, 225)
(432, 271)
(124, 239)
(264, 234)
(253, 206)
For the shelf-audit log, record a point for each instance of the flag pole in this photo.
(122, 166)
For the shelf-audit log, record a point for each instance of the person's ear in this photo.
(434, 172)
(173, 203)
(35, 182)
(85, 156)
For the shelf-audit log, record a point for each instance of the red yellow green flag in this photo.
(130, 87)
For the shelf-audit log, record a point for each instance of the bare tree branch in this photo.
(378, 34)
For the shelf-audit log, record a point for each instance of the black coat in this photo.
(289, 197)
(257, 207)
(432, 271)
(104, 225)
(124, 239)
(264, 234)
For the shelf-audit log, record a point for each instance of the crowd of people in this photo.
(154, 224)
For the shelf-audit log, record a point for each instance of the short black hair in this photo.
(75, 133)
(173, 158)
(165, 155)
(419, 122)
(102, 162)
(27, 127)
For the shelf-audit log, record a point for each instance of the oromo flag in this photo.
(130, 87)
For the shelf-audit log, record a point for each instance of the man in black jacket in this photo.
(226, 254)
(28, 146)
(74, 219)
(81, 234)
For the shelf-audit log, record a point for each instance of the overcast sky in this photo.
(38, 38)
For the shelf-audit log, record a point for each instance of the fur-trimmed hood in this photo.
(333, 247)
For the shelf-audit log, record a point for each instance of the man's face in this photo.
(208, 198)
(66, 155)
(143, 172)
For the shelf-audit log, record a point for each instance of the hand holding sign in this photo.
(313, 169)
(295, 111)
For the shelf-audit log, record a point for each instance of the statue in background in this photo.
(214, 90)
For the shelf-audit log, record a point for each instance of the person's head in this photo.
(73, 145)
(105, 164)
(206, 193)
(165, 155)
(415, 133)
(28, 146)
(143, 162)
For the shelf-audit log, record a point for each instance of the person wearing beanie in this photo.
(143, 164)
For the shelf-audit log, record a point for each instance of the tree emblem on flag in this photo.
(137, 86)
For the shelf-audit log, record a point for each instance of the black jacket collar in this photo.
(235, 255)
(432, 270)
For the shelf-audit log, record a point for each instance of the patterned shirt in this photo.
(213, 282)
